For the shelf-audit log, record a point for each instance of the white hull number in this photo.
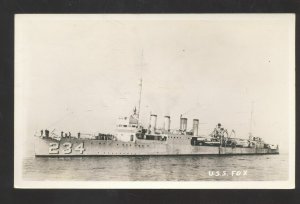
(67, 148)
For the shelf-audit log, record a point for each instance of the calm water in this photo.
(157, 168)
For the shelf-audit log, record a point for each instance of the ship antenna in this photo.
(251, 118)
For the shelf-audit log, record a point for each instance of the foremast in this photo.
(140, 88)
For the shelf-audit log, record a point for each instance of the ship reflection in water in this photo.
(157, 168)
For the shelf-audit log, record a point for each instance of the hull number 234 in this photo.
(67, 148)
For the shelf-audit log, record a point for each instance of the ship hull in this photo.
(174, 146)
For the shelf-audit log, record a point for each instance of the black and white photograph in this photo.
(160, 101)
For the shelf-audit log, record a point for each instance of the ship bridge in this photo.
(126, 128)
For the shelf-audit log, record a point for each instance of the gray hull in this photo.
(177, 145)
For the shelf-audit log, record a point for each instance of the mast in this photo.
(140, 97)
(251, 117)
(140, 85)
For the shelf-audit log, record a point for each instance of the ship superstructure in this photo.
(131, 138)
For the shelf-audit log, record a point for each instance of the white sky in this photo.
(81, 72)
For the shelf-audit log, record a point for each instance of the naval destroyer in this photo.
(131, 138)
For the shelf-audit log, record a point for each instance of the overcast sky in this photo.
(81, 72)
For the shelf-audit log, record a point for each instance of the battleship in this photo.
(131, 138)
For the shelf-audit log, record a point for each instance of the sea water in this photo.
(158, 168)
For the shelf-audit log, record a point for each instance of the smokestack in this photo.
(195, 127)
(183, 124)
(167, 123)
(153, 119)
